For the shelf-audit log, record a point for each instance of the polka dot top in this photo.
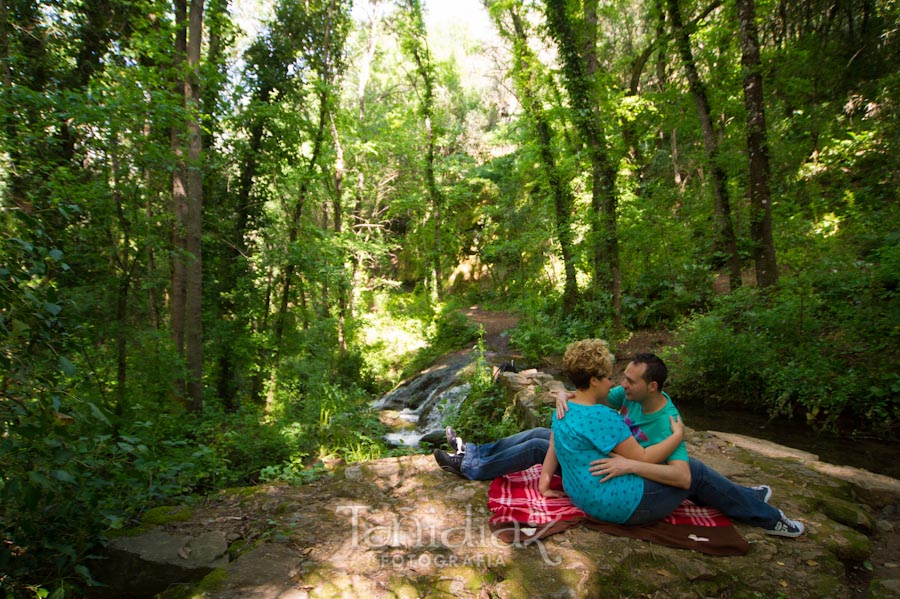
(589, 433)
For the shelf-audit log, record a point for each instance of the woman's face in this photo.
(603, 385)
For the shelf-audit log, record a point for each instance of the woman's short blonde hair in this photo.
(585, 359)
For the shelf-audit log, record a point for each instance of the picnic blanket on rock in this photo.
(521, 514)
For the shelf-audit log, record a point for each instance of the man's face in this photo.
(634, 384)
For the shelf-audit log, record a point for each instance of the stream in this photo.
(415, 409)
(873, 455)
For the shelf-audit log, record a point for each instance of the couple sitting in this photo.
(630, 437)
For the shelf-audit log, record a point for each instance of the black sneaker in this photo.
(786, 527)
(764, 492)
(449, 463)
(457, 445)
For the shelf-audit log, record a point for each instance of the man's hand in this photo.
(562, 403)
(611, 467)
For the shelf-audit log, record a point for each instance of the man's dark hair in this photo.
(656, 370)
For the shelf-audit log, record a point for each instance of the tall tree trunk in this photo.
(722, 207)
(124, 285)
(216, 13)
(294, 223)
(661, 54)
(365, 71)
(5, 58)
(237, 260)
(601, 270)
(187, 192)
(7, 120)
(155, 305)
(338, 232)
(527, 83)
(194, 230)
(435, 196)
(179, 198)
(585, 114)
(121, 252)
(425, 69)
(757, 146)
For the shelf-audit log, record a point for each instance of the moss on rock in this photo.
(844, 512)
(884, 589)
(166, 514)
(210, 583)
(841, 541)
(158, 516)
(403, 588)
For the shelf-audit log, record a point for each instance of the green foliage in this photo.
(449, 330)
(544, 330)
(295, 472)
(822, 346)
(61, 494)
(327, 422)
(92, 431)
(452, 330)
(484, 415)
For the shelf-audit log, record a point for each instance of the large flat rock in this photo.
(400, 527)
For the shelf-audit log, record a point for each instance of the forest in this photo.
(227, 227)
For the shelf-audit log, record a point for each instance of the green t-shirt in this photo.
(648, 429)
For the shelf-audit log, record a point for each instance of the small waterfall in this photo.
(425, 399)
(429, 416)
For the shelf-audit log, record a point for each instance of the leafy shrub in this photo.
(658, 299)
(822, 346)
(719, 364)
(545, 331)
(330, 421)
(452, 330)
(484, 415)
(538, 336)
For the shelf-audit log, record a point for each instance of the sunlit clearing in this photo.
(828, 225)
(388, 339)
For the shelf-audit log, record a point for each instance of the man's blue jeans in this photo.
(708, 488)
(510, 454)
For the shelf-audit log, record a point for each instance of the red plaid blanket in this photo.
(516, 504)
(515, 498)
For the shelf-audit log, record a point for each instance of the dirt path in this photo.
(495, 324)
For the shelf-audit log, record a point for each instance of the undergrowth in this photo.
(486, 414)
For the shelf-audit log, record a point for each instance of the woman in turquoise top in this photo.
(591, 431)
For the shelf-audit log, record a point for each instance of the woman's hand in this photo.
(553, 493)
(562, 403)
(677, 426)
(611, 467)
(546, 491)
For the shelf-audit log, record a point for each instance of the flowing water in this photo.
(416, 408)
